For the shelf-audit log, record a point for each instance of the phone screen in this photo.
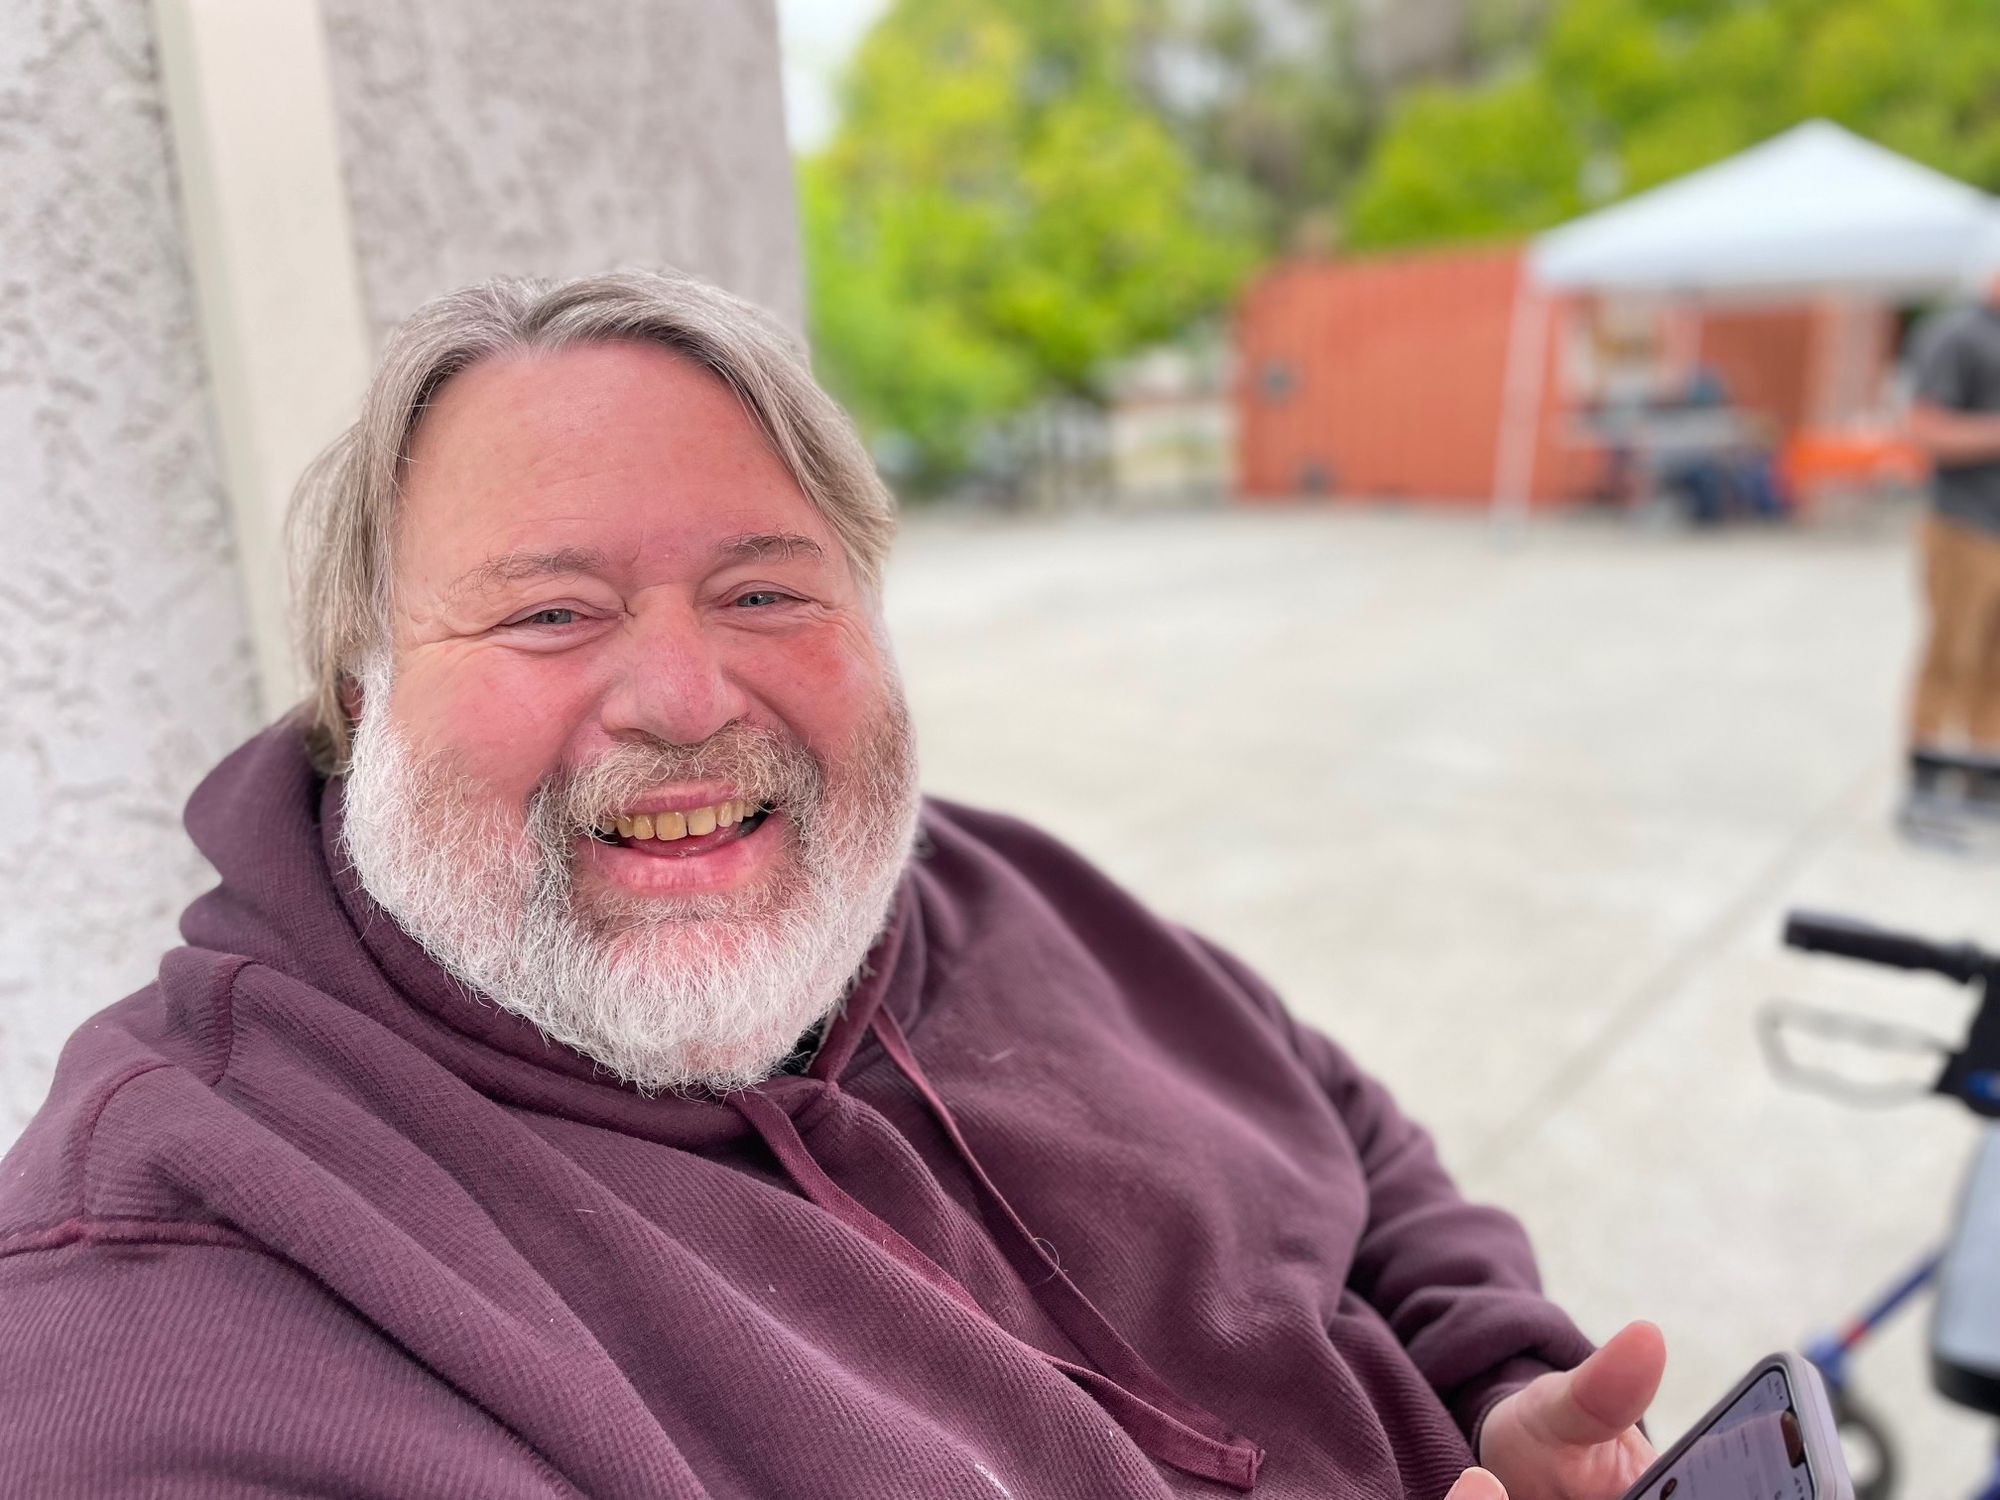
(1752, 1451)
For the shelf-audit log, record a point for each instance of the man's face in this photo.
(613, 609)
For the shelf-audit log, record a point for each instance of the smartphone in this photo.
(1771, 1438)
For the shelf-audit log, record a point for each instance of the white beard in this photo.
(702, 991)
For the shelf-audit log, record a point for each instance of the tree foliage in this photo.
(1269, 98)
(1002, 209)
(1618, 95)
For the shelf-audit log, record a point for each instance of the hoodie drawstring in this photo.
(1168, 1427)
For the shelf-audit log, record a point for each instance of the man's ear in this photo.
(350, 697)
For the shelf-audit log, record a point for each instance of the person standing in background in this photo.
(1955, 420)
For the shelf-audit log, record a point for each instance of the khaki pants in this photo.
(1958, 684)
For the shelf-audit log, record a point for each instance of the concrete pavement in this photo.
(1517, 825)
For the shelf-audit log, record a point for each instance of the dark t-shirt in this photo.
(1957, 366)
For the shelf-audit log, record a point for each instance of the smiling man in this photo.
(616, 610)
(599, 1072)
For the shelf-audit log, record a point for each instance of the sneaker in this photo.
(1934, 820)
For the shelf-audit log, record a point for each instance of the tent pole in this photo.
(1520, 403)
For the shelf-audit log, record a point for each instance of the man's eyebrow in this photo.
(516, 567)
(780, 546)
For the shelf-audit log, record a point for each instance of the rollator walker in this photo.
(1964, 1274)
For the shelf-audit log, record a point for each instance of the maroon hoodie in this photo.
(1066, 1205)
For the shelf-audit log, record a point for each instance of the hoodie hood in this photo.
(289, 899)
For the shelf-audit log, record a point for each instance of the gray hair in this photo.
(342, 521)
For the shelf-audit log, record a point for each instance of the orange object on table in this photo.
(1814, 459)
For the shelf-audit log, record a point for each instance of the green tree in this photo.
(1281, 99)
(1269, 99)
(1618, 95)
(1001, 211)
(1467, 166)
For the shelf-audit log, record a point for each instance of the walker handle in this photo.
(1843, 937)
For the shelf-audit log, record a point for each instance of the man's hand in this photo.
(1949, 436)
(1572, 1436)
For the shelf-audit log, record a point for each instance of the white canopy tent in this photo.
(1814, 210)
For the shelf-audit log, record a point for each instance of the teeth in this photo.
(679, 825)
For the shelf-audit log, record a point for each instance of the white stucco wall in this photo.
(125, 669)
(535, 137)
(478, 137)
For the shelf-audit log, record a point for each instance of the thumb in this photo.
(1476, 1484)
(1604, 1395)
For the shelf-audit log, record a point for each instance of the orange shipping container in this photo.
(1383, 377)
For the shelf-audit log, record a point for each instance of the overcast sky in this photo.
(816, 37)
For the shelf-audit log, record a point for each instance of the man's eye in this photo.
(760, 599)
(554, 616)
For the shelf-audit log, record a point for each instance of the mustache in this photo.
(763, 761)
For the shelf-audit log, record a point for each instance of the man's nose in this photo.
(672, 682)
